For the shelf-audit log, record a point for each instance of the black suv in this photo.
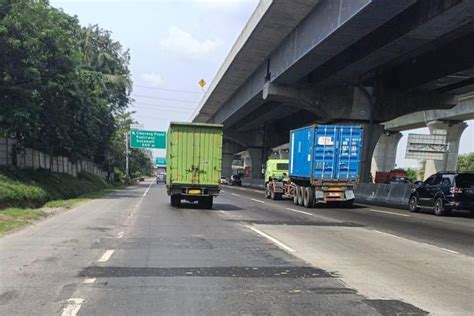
(444, 191)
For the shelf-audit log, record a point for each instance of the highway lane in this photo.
(132, 254)
(455, 232)
(371, 249)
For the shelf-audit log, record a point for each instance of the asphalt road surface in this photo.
(130, 253)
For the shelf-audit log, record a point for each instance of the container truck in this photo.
(194, 157)
(276, 178)
(324, 164)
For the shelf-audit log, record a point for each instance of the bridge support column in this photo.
(369, 141)
(385, 152)
(256, 157)
(453, 132)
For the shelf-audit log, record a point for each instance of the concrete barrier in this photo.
(394, 195)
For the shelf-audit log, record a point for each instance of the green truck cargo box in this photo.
(194, 158)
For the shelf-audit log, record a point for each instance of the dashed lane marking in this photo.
(106, 256)
(73, 306)
(89, 281)
(120, 234)
(272, 239)
(235, 194)
(258, 191)
(259, 201)
(297, 211)
(148, 189)
(421, 243)
(391, 213)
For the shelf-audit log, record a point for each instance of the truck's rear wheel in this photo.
(175, 200)
(300, 195)
(295, 195)
(349, 203)
(308, 197)
(206, 202)
(267, 190)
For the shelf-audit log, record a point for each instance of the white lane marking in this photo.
(106, 256)
(259, 201)
(73, 306)
(258, 191)
(120, 234)
(243, 189)
(385, 212)
(421, 243)
(297, 211)
(272, 239)
(89, 281)
(148, 189)
(234, 194)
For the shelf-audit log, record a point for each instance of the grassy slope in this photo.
(23, 190)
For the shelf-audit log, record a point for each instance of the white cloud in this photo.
(153, 78)
(183, 42)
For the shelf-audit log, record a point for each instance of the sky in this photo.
(174, 44)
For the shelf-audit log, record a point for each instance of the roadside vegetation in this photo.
(27, 195)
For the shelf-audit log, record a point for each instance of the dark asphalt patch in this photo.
(230, 272)
(100, 229)
(331, 290)
(299, 223)
(395, 307)
(140, 243)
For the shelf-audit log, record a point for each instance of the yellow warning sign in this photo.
(202, 83)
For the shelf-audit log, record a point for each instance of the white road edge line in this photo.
(106, 256)
(148, 189)
(385, 212)
(73, 306)
(234, 194)
(89, 281)
(297, 211)
(272, 239)
(421, 243)
(120, 234)
(259, 201)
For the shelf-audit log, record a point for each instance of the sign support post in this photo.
(127, 175)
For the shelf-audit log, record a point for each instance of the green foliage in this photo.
(466, 163)
(61, 84)
(12, 218)
(29, 188)
(412, 174)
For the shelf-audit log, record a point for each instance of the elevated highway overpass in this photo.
(366, 61)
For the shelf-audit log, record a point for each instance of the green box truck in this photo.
(194, 158)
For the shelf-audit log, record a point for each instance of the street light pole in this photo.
(127, 175)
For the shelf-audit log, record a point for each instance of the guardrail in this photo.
(396, 195)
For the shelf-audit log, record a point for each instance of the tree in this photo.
(412, 174)
(466, 163)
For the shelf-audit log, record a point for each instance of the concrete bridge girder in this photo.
(350, 103)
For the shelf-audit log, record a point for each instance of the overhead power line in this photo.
(170, 90)
(165, 99)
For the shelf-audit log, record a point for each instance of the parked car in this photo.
(444, 191)
(161, 178)
(398, 180)
(224, 180)
(235, 180)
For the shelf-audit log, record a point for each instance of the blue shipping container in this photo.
(326, 152)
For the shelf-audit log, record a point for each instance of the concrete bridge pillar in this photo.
(257, 159)
(229, 149)
(453, 132)
(385, 152)
(369, 141)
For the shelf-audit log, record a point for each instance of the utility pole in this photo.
(127, 175)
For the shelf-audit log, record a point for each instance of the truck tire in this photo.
(206, 202)
(295, 195)
(175, 200)
(349, 203)
(308, 197)
(300, 195)
(267, 190)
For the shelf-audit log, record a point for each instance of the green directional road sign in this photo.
(147, 139)
(160, 162)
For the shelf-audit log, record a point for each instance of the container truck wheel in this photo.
(349, 203)
(295, 195)
(300, 195)
(308, 197)
(175, 200)
(267, 190)
(206, 202)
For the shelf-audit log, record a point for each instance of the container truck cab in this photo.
(276, 178)
(324, 164)
(194, 157)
